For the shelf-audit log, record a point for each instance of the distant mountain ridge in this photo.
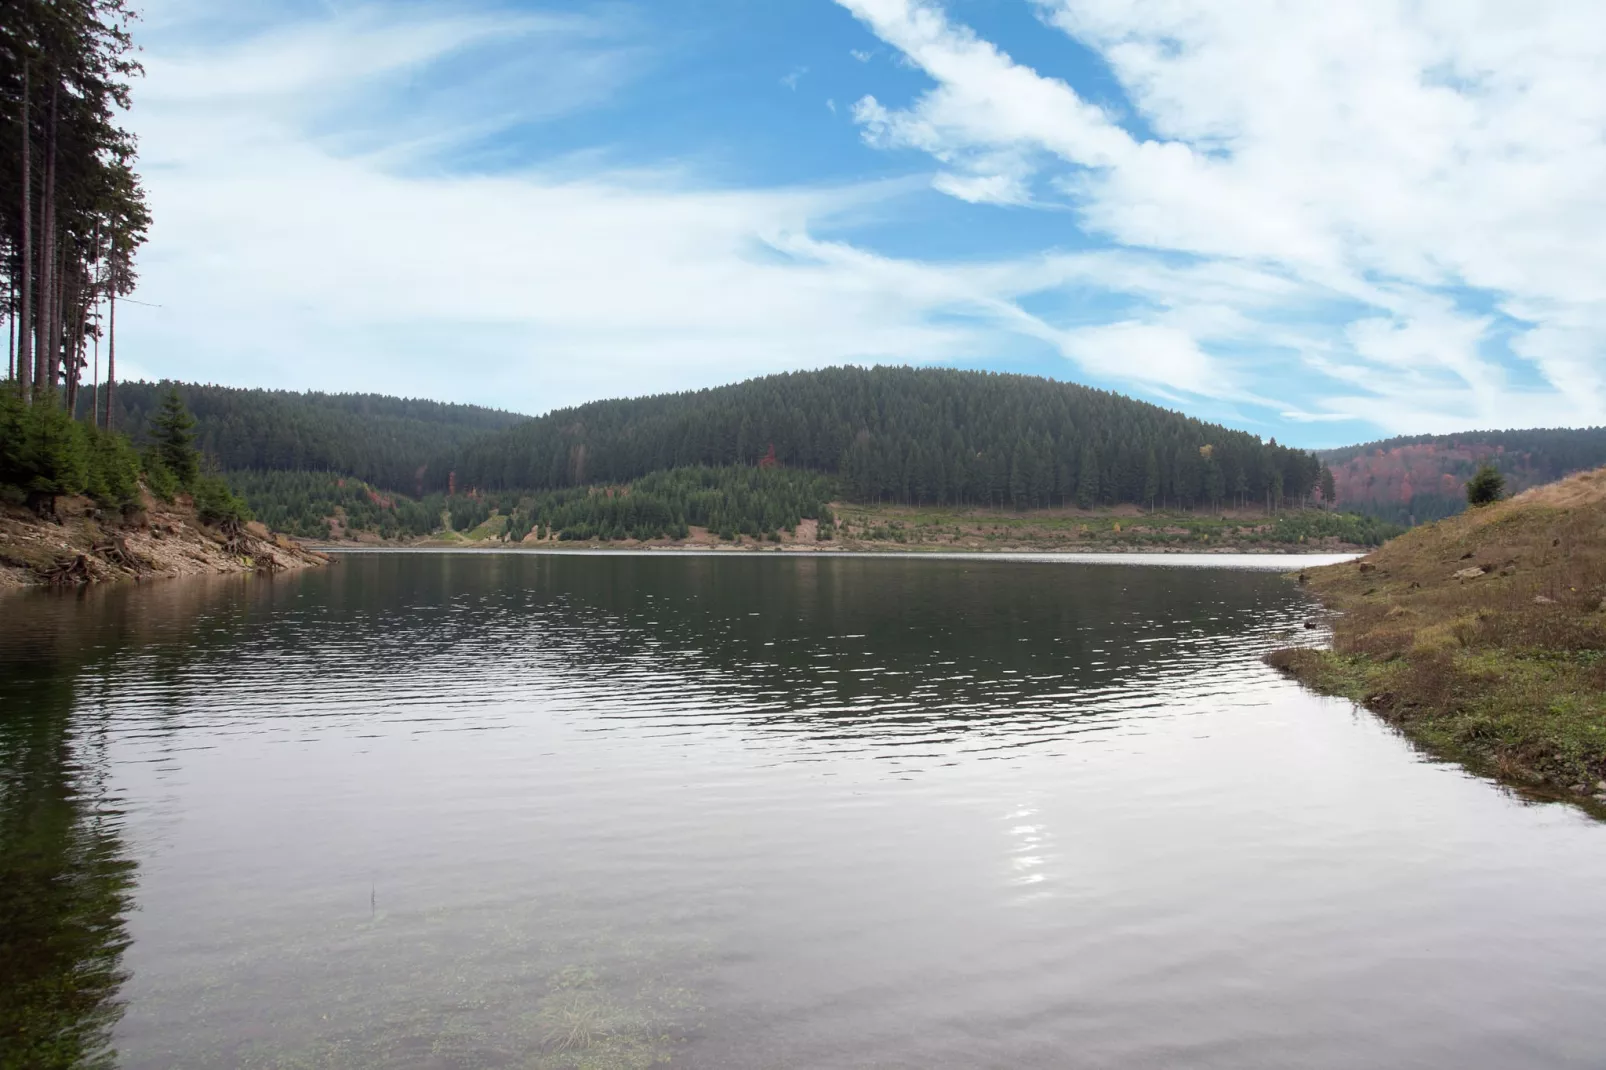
(1418, 478)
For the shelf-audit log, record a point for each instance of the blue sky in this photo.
(1324, 223)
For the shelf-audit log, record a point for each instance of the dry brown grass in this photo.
(1504, 667)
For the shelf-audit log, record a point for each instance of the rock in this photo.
(1579, 788)
(1601, 786)
(1366, 566)
(1541, 600)
(1469, 573)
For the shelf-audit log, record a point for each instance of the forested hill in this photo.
(386, 441)
(904, 434)
(1418, 478)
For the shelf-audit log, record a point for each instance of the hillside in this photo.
(1415, 479)
(752, 507)
(910, 435)
(1483, 636)
(383, 440)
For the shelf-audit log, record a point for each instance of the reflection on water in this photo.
(758, 811)
(64, 884)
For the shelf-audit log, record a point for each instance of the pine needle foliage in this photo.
(905, 435)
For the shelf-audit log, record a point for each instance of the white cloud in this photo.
(289, 252)
(1164, 356)
(1301, 417)
(1377, 154)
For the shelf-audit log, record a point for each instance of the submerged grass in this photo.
(1483, 637)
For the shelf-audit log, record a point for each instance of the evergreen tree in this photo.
(74, 210)
(1087, 478)
(1328, 488)
(1486, 486)
(57, 455)
(172, 432)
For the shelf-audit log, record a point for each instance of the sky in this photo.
(1319, 222)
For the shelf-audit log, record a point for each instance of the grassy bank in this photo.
(1124, 529)
(870, 528)
(1483, 637)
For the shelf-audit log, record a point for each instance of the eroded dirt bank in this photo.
(83, 544)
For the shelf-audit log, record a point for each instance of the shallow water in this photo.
(472, 810)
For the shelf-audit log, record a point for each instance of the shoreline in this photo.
(83, 546)
(1270, 561)
(1482, 639)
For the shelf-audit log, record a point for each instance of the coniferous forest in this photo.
(74, 208)
(912, 435)
(74, 215)
(387, 441)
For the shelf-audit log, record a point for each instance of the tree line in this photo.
(732, 502)
(74, 207)
(45, 454)
(1420, 478)
(387, 441)
(911, 435)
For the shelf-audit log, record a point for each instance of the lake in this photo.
(485, 810)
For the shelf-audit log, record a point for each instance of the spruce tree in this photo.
(1087, 478)
(172, 432)
(1486, 486)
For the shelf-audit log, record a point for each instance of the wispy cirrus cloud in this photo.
(305, 238)
(1415, 175)
(1374, 217)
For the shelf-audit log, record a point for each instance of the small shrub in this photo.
(1486, 486)
(158, 477)
(216, 504)
(113, 478)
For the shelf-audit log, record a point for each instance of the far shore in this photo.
(881, 529)
(1281, 559)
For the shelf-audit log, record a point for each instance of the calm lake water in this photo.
(480, 811)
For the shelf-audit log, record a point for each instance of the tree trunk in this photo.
(48, 354)
(55, 356)
(111, 336)
(75, 360)
(25, 303)
(94, 297)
